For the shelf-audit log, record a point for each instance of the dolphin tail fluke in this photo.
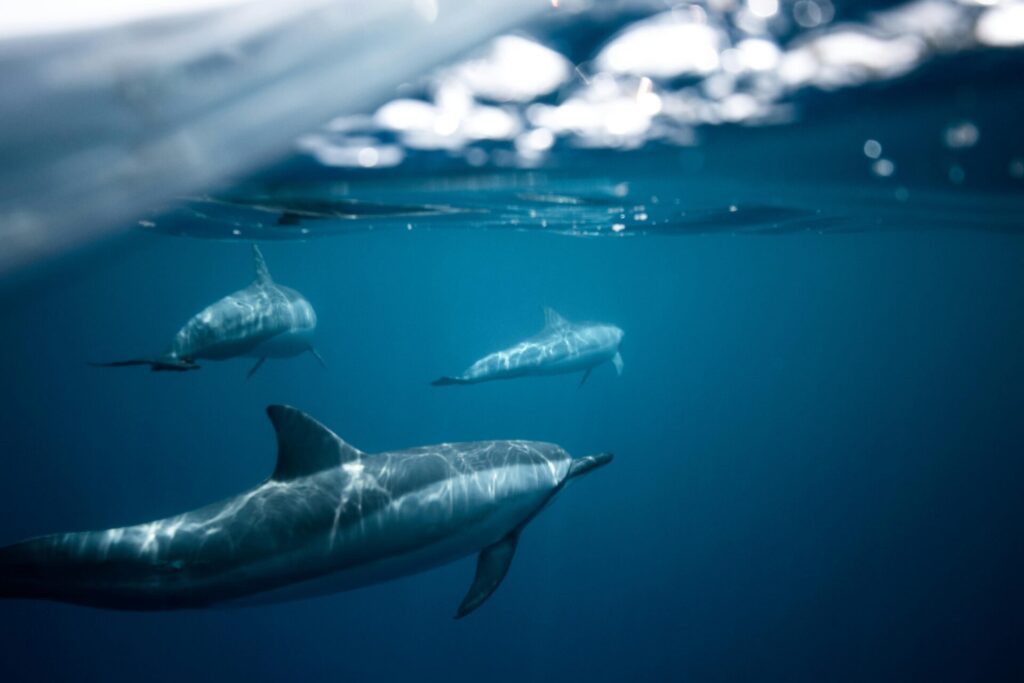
(160, 364)
(448, 381)
(16, 571)
(491, 567)
(9, 575)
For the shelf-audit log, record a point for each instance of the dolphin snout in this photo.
(587, 463)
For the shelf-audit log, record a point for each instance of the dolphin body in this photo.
(264, 320)
(562, 347)
(331, 518)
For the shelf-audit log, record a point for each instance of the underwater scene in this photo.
(487, 341)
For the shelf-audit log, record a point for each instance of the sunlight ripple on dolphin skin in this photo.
(331, 518)
(562, 347)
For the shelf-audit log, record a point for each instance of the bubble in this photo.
(872, 149)
(1017, 168)
(537, 140)
(763, 8)
(476, 156)
(956, 174)
(667, 45)
(883, 168)
(808, 14)
(961, 135)
(511, 69)
(368, 157)
(1001, 26)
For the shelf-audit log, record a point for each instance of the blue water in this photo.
(818, 429)
(818, 443)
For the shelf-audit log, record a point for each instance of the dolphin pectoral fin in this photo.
(586, 376)
(617, 362)
(254, 368)
(316, 354)
(491, 567)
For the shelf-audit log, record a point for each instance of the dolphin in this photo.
(330, 518)
(264, 320)
(561, 347)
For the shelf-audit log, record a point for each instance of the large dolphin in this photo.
(561, 347)
(331, 518)
(264, 320)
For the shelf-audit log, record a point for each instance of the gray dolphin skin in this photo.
(562, 347)
(331, 518)
(264, 320)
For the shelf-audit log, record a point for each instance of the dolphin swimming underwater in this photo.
(330, 518)
(561, 347)
(264, 320)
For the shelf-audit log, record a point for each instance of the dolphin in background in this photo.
(264, 320)
(331, 518)
(561, 347)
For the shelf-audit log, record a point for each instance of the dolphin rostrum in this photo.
(264, 320)
(561, 347)
(331, 518)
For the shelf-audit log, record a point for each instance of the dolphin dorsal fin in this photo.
(553, 320)
(262, 274)
(304, 446)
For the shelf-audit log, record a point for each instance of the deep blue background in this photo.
(818, 476)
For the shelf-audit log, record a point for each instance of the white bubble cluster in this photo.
(665, 46)
(1002, 25)
(663, 77)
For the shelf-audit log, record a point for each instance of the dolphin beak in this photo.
(581, 466)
